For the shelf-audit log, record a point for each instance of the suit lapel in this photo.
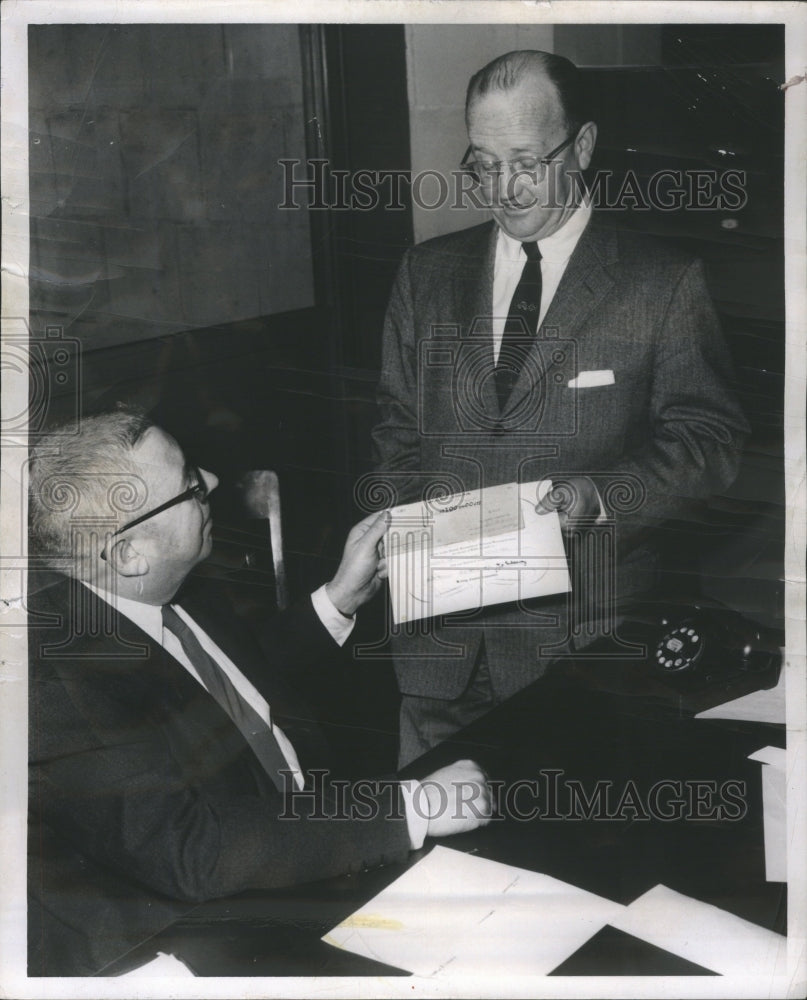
(472, 306)
(167, 678)
(585, 283)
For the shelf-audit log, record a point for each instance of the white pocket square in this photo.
(587, 380)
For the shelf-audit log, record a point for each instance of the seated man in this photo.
(167, 763)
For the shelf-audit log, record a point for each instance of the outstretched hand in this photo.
(363, 565)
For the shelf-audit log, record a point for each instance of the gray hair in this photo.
(84, 472)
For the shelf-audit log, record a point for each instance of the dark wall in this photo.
(154, 177)
(368, 135)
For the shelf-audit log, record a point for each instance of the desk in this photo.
(556, 727)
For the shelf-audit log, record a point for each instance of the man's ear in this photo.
(585, 143)
(126, 560)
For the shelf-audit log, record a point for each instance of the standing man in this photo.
(539, 346)
(169, 761)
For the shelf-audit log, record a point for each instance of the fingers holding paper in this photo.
(362, 567)
(570, 496)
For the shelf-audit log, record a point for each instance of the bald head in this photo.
(552, 77)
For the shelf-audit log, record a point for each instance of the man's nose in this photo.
(513, 185)
(210, 478)
(504, 182)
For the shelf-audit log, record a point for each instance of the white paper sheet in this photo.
(162, 965)
(774, 810)
(704, 934)
(454, 914)
(759, 706)
(473, 549)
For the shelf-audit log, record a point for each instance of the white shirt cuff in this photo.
(416, 819)
(333, 619)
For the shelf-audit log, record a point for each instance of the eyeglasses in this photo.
(198, 491)
(485, 171)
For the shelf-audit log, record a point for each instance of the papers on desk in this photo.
(161, 966)
(454, 914)
(759, 706)
(703, 934)
(472, 549)
(774, 810)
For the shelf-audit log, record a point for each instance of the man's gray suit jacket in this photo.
(665, 434)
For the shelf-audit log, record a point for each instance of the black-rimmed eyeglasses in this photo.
(198, 491)
(485, 171)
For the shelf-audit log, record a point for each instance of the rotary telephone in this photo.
(696, 646)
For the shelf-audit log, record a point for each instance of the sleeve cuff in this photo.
(416, 819)
(334, 621)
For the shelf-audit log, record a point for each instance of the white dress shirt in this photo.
(509, 263)
(148, 617)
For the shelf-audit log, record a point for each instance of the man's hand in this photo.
(458, 799)
(570, 496)
(363, 566)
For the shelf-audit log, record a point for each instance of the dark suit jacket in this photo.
(669, 427)
(144, 797)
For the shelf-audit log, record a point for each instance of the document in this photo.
(703, 934)
(162, 966)
(455, 914)
(767, 705)
(774, 810)
(472, 549)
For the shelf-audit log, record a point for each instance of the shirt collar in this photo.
(147, 617)
(557, 247)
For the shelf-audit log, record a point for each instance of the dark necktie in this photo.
(254, 730)
(521, 325)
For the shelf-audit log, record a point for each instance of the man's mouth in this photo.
(515, 206)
